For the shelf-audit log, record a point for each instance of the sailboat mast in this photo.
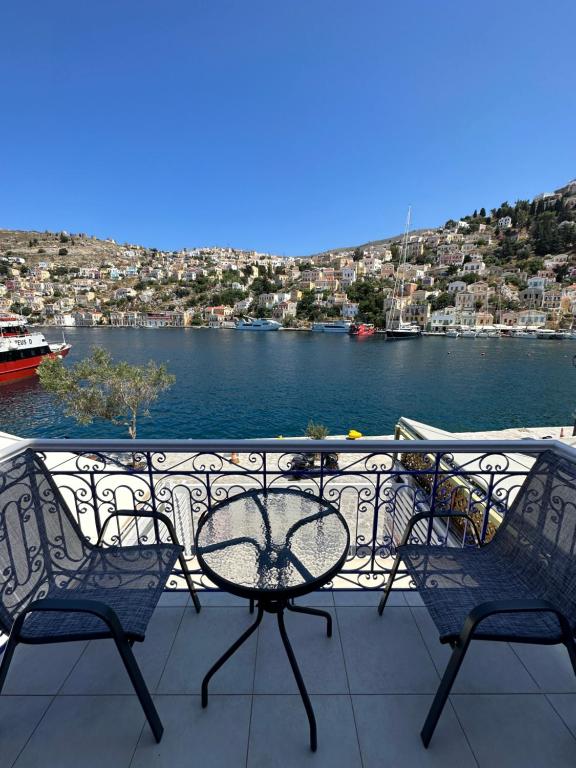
(403, 262)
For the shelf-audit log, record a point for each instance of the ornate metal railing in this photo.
(377, 485)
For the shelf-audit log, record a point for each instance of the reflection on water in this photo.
(231, 384)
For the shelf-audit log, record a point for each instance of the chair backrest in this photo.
(41, 546)
(537, 538)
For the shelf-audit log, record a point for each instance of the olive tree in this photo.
(100, 388)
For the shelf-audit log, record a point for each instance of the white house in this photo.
(441, 318)
(532, 317)
(474, 267)
(457, 286)
(349, 310)
(505, 222)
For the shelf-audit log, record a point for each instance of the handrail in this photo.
(291, 445)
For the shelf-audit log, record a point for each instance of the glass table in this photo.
(271, 546)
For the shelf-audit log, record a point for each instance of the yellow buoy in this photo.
(353, 434)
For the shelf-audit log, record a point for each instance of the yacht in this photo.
(468, 333)
(338, 326)
(400, 329)
(452, 333)
(548, 333)
(404, 331)
(257, 324)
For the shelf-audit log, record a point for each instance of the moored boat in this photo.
(257, 324)
(400, 329)
(22, 351)
(404, 331)
(338, 326)
(361, 329)
(468, 333)
(548, 333)
(452, 333)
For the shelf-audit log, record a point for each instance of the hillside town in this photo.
(513, 267)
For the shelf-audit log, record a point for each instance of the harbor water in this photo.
(232, 384)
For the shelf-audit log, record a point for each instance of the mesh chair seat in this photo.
(453, 581)
(129, 580)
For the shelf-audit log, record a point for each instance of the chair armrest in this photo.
(140, 513)
(494, 607)
(94, 607)
(437, 515)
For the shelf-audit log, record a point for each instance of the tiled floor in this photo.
(371, 685)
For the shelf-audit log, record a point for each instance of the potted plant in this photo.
(316, 431)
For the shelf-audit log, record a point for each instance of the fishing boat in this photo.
(338, 326)
(22, 351)
(257, 324)
(361, 329)
(399, 329)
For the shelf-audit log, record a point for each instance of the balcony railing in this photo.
(378, 485)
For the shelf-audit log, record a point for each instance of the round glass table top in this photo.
(273, 541)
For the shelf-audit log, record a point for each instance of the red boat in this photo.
(21, 351)
(361, 329)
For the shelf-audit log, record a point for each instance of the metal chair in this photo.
(56, 586)
(520, 587)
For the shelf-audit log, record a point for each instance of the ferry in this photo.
(339, 326)
(361, 329)
(257, 324)
(22, 351)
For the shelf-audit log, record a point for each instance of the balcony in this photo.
(371, 683)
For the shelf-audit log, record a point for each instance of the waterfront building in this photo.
(533, 317)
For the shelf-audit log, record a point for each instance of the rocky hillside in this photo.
(58, 247)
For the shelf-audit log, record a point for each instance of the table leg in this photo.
(299, 680)
(230, 652)
(313, 612)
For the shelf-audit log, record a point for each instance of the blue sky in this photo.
(289, 126)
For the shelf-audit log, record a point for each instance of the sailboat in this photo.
(401, 330)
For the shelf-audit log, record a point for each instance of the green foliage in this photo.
(305, 307)
(99, 388)
(262, 284)
(62, 251)
(64, 238)
(445, 299)
(545, 233)
(369, 296)
(316, 431)
(228, 297)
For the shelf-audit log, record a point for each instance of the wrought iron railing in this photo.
(377, 485)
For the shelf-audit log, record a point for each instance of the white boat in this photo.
(548, 333)
(468, 333)
(452, 333)
(520, 334)
(257, 324)
(339, 326)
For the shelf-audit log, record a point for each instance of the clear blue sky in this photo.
(290, 126)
